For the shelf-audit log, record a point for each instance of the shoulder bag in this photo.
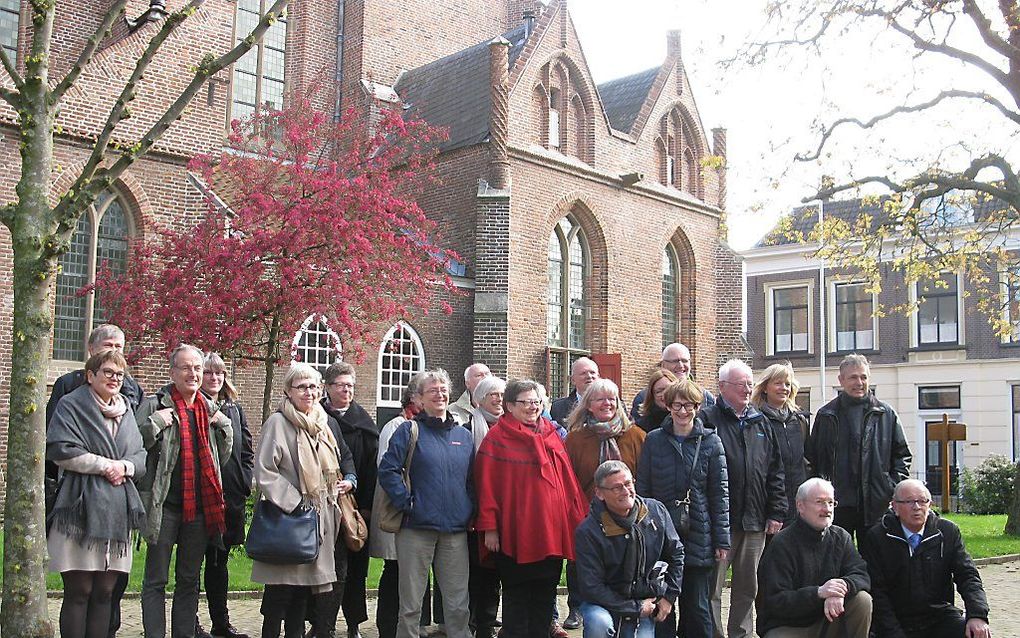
(282, 538)
(681, 510)
(352, 523)
(390, 517)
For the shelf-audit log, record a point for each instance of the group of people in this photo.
(649, 509)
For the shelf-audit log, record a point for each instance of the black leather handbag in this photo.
(282, 538)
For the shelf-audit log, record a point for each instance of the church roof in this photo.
(623, 97)
(453, 92)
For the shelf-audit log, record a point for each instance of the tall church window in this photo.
(99, 241)
(554, 119)
(670, 291)
(401, 356)
(10, 18)
(259, 75)
(316, 344)
(567, 305)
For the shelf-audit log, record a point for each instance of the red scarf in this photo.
(211, 490)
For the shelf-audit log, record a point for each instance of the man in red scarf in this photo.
(187, 440)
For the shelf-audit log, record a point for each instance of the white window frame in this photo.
(961, 331)
(830, 313)
(1013, 337)
(306, 327)
(421, 359)
(770, 337)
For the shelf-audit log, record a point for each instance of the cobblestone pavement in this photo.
(1002, 584)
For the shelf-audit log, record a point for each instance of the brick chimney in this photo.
(719, 150)
(516, 10)
(673, 44)
(499, 123)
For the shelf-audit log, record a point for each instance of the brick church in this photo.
(590, 218)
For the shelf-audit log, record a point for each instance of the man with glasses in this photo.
(857, 443)
(186, 440)
(757, 494)
(676, 357)
(914, 557)
(629, 559)
(812, 582)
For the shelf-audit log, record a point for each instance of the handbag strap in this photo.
(690, 473)
(413, 443)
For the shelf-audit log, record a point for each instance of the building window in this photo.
(259, 75)
(938, 310)
(939, 397)
(854, 317)
(10, 17)
(567, 305)
(1016, 422)
(316, 344)
(99, 241)
(790, 315)
(401, 356)
(554, 119)
(670, 291)
(1010, 282)
(804, 400)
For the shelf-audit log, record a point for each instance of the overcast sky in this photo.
(769, 111)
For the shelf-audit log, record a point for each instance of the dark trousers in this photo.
(190, 540)
(483, 590)
(852, 520)
(388, 603)
(694, 606)
(118, 593)
(951, 624)
(354, 603)
(284, 604)
(322, 610)
(216, 582)
(529, 593)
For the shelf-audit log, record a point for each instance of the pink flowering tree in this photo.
(306, 216)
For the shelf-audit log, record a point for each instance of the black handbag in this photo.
(282, 538)
(681, 510)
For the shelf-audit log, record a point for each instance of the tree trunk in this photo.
(1013, 520)
(272, 346)
(23, 612)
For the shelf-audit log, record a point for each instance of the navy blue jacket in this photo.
(635, 406)
(562, 407)
(663, 475)
(753, 464)
(601, 546)
(441, 496)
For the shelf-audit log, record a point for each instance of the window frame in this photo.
(833, 316)
(1009, 284)
(670, 257)
(419, 358)
(316, 320)
(258, 50)
(565, 348)
(13, 50)
(915, 320)
(770, 316)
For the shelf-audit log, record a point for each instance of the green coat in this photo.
(162, 442)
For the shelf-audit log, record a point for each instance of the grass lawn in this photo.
(982, 534)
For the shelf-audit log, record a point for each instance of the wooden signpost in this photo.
(945, 431)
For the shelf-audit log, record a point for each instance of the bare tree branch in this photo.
(89, 50)
(19, 82)
(913, 108)
(987, 31)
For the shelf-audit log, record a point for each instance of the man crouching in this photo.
(629, 559)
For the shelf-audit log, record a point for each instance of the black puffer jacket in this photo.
(753, 465)
(914, 592)
(791, 428)
(362, 437)
(236, 473)
(885, 456)
(663, 475)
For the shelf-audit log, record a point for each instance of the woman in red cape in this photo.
(529, 504)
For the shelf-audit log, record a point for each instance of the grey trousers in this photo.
(191, 540)
(745, 552)
(416, 550)
(854, 623)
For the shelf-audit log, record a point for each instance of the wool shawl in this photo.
(88, 508)
(527, 491)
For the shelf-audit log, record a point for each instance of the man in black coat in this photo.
(857, 442)
(676, 357)
(812, 582)
(914, 557)
(582, 373)
(359, 431)
(757, 495)
(104, 337)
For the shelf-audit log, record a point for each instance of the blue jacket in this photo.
(441, 496)
(663, 475)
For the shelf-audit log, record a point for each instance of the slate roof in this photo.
(624, 97)
(453, 92)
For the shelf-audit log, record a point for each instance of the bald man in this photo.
(676, 357)
(914, 557)
(461, 409)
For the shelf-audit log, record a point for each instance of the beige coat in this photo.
(276, 475)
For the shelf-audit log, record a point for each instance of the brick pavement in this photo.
(1002, 584)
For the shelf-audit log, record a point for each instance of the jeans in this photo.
(191, 540)
(599, 623)
(416, 550)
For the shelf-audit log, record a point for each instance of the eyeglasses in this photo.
(914, 502)
(822, 502)
(676, 361)
(531, 403)
(626, 486)
(681, 406)
(214, 373)
(306, 388)
(343, 386)
(435, 392)
(747, 385)
(112, 374)
(494, 395)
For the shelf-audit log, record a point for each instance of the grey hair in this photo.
(517, 387)
(808, 486)
(573, 366)
(854, 360)
(467, 370)
(339, 369)
(607, 469)
(734, 365)
(905, 483)
(104, 332)
(485, 386)
(674, 346)
(182, 348)
(299, 371)
(435, 374)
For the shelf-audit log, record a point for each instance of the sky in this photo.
(772, 111)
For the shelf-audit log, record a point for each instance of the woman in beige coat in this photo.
(297, 462)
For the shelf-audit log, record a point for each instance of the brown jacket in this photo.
(583, 450)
